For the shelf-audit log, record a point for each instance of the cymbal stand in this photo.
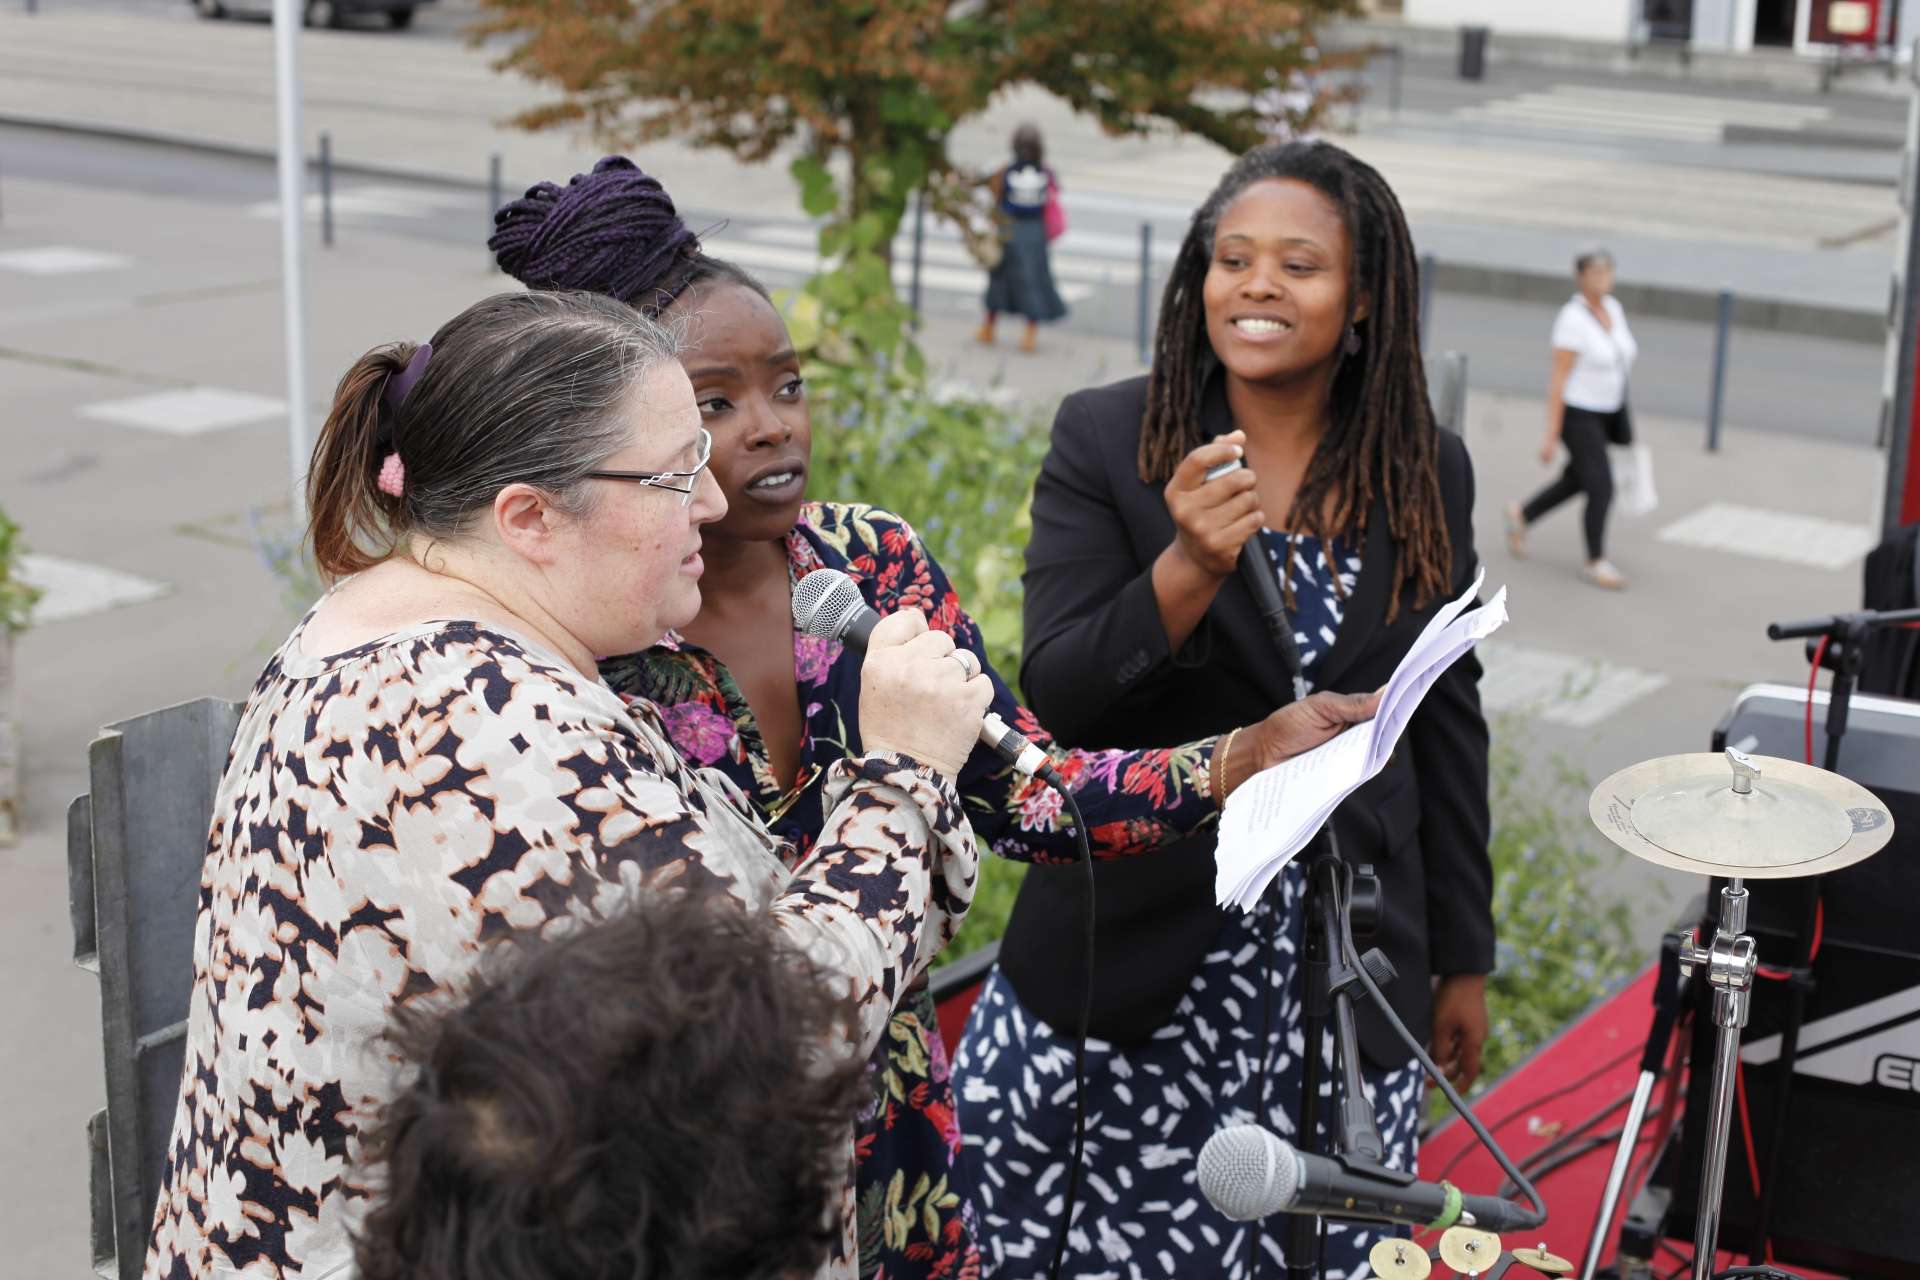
(1729, 962)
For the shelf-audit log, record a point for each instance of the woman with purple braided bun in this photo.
(745, 695)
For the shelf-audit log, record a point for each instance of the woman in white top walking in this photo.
(1593, 353)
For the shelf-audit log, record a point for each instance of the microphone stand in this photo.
(1328, 975)
(1336, 893)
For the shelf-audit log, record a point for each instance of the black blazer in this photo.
(1098, 673)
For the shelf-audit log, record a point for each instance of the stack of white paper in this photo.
(1272, 815)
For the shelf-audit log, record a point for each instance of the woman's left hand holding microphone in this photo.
(918, 696)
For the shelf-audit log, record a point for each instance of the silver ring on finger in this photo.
(968, 663)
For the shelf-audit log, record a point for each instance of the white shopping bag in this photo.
(1633, 492)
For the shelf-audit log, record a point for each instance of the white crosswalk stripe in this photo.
(963, 276)
(376, 202)
(1636, 113)
(186, 411)
(72, 589)
(1772, 535)
(60, 260)
(946, 251)
(1559, 688)
(1083, 261)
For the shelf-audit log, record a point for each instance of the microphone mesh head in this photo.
(1248, 1173)
(824, 602)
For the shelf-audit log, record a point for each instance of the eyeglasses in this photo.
(680, 482)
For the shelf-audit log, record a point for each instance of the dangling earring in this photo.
(1352, 344)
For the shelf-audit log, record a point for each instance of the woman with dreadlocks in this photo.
(1288, 342)
(745, 696)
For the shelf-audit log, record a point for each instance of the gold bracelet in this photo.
(1220, 768)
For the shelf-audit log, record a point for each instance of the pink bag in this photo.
(1055, 214)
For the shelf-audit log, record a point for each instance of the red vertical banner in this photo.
(1910, 483)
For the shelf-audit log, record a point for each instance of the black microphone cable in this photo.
(1052, 778)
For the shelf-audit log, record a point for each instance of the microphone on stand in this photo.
(828, 606)
(1248, 1173)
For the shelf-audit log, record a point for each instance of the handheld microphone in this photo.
(1256, 570)
(828, 606)
(1248, 1173)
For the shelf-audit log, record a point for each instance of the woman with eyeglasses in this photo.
(431, 760)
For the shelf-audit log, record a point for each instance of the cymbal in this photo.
(1793, 820)
(1540, 1260)
(1399, 1260)
(1469, 1250)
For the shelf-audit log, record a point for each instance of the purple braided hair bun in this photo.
(612, 232)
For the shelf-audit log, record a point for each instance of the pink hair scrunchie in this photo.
(393, 476)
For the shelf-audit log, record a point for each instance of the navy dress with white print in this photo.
(1152, 1106)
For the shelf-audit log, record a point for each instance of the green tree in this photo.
(868, 91)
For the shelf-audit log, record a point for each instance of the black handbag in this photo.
(1620, 425)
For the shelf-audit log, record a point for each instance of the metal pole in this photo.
(326, 188)
(1722, 325)
(1730, 972)
(919, 250)
(1393, 91)
(1897, 381)
(496, 196)
(1143, 334)
(1426, 294)
(293, 260)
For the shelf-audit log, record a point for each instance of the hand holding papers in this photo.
(1273, 814)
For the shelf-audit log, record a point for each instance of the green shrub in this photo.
(17, 595)
(1558, 949)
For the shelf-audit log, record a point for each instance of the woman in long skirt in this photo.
(1022, 282)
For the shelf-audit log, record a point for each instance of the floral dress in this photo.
(387, 811)
(916, 1217)
(1151, 1106)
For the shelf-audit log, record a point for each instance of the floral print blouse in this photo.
(915, 1220)
(384, 813)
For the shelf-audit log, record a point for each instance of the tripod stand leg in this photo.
(1617, 1176)
(1667, 983)
(1303, 1230)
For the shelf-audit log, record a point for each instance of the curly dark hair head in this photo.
(654, 1096)
(613, 231)
(1381, 437)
